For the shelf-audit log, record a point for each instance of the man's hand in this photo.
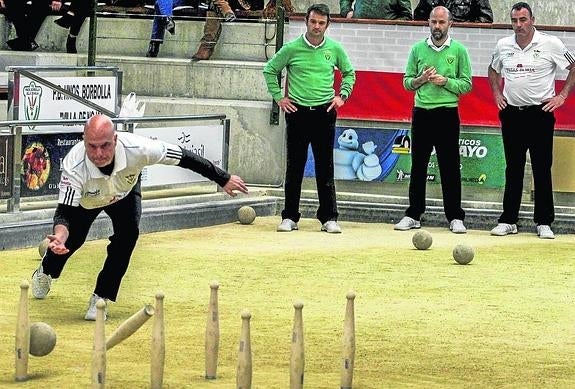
(286, 105)
(553, 103)
(233, 184)
(438, 79)
(335, 103)
(57, 245)
(56, 5)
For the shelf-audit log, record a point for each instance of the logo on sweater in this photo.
(450, 59)
(131, 178)
(327, 55)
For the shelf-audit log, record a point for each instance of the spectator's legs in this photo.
(212, 31)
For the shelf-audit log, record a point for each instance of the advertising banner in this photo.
(41, 160)
(369, 154)
(36, 101)
(6, 163)
(205, 141)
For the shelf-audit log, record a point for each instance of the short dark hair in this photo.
(321, 9)
(522, 5)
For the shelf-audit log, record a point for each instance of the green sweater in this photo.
(452, 62)
(310, 71)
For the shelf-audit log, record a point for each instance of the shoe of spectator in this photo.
(503, 229)
(71, 45)
(93, 310)
(170, 26)
(287, 225)
(407, 223)
(204, 52)
(457, 227)
(19, 44)
(229, 16)
(65, 21)
(153, 49)
(41, 283)
(331, 227)
(545, 232)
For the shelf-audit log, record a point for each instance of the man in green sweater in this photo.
(310, 112)
(439, 71)
(375, 9)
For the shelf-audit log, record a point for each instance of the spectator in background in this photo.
(27, 20)
(475, 11)
(221, 10)
(376, 9)
(522, 78)
(73, 19)
(439, 71)
(163, 21)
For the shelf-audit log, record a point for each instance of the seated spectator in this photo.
(27, 20)
(73, 19)
(163, 21)
(376, 9)
(221, 10)
(475, 11)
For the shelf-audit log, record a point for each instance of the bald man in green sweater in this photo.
(310, 113)
(439, 71)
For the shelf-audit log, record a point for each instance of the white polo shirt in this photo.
(82, 183)
(529, 73)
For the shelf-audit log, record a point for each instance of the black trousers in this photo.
(125, 216)
(316, 127)
(27, 19)
(437, 127)
(527, 129)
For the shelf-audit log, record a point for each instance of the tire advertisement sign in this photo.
(384, 155)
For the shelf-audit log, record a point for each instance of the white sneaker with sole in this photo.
(287, 225)
(92, 310)
(457, 227)
(407, 223)
(331, 227)
(545, 232)
(503, 229)
(40, 283)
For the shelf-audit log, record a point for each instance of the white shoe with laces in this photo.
(93, 310)
(287, 225)
(331, 227)
(41, 283)
(407, 223)
(457, 227)
(545, 232)
(503, 229)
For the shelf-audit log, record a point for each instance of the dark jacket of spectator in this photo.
(476, 11)
(376, 9)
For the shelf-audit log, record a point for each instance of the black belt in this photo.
(313, 107)
(525, 107)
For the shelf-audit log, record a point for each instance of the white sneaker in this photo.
(545, 232)
(40, 283)
(331, 227)
(503, 229)
(287, 225)
(93, 310)
(457, 227)
(407, 223)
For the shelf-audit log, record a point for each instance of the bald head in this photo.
(100, 140)
(440, 12)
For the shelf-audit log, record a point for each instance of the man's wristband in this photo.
(343, 97)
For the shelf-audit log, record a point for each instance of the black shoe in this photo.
(170, 26)
(71, 45)
(65, 21)
(19, 44)
(153, 49)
